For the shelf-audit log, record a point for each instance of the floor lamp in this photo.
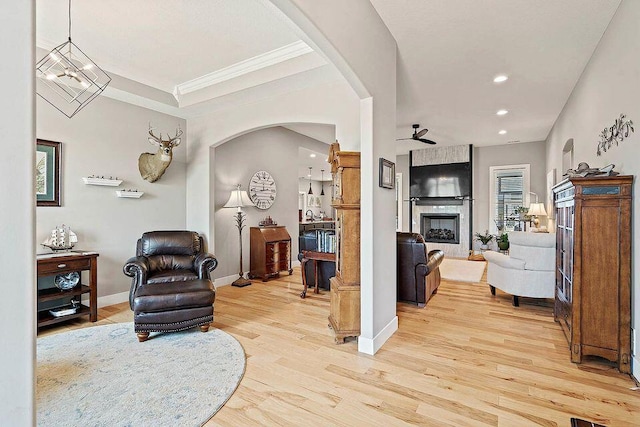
(239, 199)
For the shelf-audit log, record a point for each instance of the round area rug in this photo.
(102, 376)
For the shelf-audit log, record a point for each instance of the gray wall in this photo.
(609, 85)
(276, 151)
(532, 153)
(106, 138)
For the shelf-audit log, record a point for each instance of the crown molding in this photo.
(258, 62)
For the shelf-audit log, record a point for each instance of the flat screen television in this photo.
(450, 180)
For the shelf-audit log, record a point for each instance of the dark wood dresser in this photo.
(270, 252)
(63, 263)
(593, 267)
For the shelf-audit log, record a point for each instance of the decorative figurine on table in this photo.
(583, 170)
(61, 239)
(267, 222)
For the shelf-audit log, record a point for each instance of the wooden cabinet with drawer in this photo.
(66, 263)
(270, 252)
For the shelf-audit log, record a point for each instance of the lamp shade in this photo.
(238, 199)
(537, 209)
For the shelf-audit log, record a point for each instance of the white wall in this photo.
(333, 103)
(609, 85)
(17, 263)
(274, 150)
(106, 138)
(354, 38)
(402, 166)
(532, 153)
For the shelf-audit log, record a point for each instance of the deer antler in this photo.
(178, 133)
(156, 138)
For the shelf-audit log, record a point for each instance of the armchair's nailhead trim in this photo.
(145, 327)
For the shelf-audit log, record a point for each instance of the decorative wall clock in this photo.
(262, 189)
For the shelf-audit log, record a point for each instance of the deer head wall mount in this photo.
(153, 165)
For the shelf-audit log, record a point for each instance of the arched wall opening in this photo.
(351, 36)
(274, 149)
(333, 103)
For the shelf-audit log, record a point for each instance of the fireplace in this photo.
(440, 227)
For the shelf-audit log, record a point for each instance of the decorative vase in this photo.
(484, 247)
(503, 246)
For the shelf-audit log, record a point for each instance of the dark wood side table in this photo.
(315, 257)
(54, 264)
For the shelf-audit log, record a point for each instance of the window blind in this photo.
(509, 195)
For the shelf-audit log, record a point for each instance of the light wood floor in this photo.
(467, 359)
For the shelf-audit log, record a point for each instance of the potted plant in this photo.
(503, 241)
(484, 239)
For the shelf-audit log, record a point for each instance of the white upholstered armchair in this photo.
(528, 270)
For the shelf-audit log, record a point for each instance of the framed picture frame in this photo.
(387, 174)
(47, 169)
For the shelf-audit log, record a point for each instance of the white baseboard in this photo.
(113, 299)
(225, 281)
(371, 346)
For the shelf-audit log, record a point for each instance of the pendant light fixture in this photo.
(322, 182)
(310, 190)
(68, 79)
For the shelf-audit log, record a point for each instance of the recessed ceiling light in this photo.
(502, 132)
(500, 78)
(502, 112)
(312, 155)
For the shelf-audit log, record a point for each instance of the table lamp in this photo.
(239, 199)
(536, 210)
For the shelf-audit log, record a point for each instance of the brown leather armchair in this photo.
(418, 272)
(171, 289)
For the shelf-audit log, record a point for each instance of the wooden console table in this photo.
(54, 264)
(315, 257)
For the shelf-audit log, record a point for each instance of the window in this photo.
(509, 190)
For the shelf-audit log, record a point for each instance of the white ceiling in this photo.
(320, 132)
(317, 163)
(163, 43)
(450, 51)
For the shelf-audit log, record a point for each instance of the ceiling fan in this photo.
(417, 136)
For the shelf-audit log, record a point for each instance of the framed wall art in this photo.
(47, 170)
(387, 174)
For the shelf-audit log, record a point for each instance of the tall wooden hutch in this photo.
(593, 267)
(345, 286)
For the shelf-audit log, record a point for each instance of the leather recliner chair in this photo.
(171, 289)
(326, 269)
(418, 272)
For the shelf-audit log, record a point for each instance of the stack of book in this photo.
(326, 241)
